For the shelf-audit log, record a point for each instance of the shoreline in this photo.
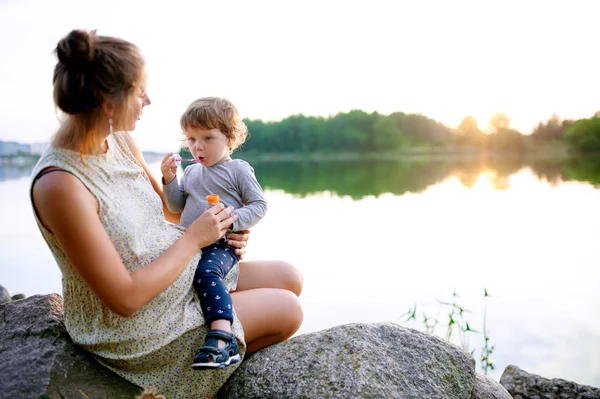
(413, 154)
(409, 156)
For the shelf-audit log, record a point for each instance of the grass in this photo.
(452, 318)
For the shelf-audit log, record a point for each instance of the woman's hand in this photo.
(168, 167)
(211, 225)
(239, 240)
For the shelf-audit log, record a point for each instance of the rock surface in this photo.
(488, 388)
(523, 385)
(4, 295)
(356, 361)
(16, 297)
(39, 358)
(383, 360)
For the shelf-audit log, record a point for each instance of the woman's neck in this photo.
(96, 144)
(101, 149)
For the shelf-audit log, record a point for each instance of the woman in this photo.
(127, 273)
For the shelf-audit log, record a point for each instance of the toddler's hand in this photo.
(169, 165)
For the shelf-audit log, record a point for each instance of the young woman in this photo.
(127, 273)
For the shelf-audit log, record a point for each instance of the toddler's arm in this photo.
(255, 205)
(168, 167)
(173, 192)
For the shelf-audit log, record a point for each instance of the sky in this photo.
(272, 59)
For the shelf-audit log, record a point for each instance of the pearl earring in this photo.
(110, 125)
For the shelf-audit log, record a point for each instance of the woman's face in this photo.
(136, 102)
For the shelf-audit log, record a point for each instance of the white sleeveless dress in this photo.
(156, 346)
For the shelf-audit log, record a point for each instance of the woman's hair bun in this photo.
(93, 68)
(77, 48)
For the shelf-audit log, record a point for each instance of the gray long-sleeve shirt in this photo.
(233, 180)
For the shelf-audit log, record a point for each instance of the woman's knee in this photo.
(268, 312)
(292, 314)
(291, 277)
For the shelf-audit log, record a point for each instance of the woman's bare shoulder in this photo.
(58, 192)
(55, 183)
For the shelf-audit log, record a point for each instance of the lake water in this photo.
(375, 238)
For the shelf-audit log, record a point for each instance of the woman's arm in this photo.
(70, 212)
(137, 153)
(239, 240)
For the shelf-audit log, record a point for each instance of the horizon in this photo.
(274, 60)
(483, 127)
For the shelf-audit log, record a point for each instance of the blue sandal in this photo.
(210, 356)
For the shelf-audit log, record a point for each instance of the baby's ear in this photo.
(231, 142)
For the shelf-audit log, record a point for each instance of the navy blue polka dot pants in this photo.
(215, 300)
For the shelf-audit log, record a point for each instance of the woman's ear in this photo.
(108, 108)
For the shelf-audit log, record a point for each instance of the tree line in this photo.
(359, 131)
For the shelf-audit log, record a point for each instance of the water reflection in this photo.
(354, 179)
(14, 172)
(359, 179)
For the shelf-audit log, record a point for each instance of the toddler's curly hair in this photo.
(216, 113)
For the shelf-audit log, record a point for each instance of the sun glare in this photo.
(484, 183)
(483, 121)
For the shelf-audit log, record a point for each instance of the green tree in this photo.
(420, 129)
(355, 131)
(387, 135)
(553, 129)
(507, 140)
(499, 121)
(469, 134)
(503, 138)
(584, 135)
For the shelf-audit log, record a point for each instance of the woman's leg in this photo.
(266, 302)
(268, 315)
(269, 274)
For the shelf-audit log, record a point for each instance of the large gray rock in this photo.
(523, 385)
(17, 297)
(356, 361)
(488, 388)
(4, 295)
(39, 358)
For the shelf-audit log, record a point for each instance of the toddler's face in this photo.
(207, 146)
